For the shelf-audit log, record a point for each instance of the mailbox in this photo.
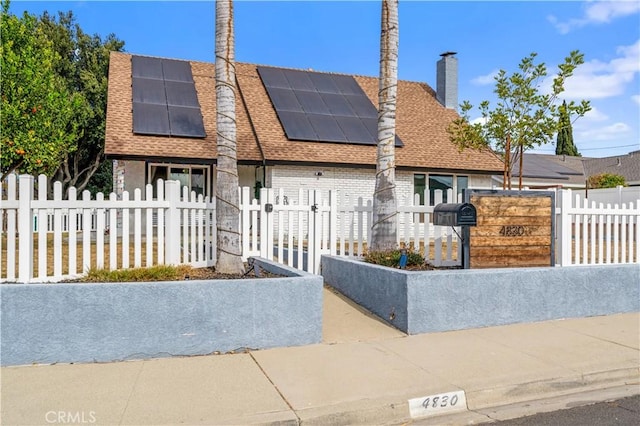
(452, 214)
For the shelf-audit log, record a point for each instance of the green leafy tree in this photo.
(37, 120)
(524, 117)
(606, 180)
(83, 64)
(564, 139)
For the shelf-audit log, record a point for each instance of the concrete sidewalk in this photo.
(364, 373)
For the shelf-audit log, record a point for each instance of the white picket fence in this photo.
(590, 233)
(178, 227)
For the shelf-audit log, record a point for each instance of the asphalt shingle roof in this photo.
(421, 123)
(627, 165)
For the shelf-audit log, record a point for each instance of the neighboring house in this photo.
(547, 171)
(627, 165)
(563, 171)
(295, 129)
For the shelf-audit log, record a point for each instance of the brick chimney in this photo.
(447, 80)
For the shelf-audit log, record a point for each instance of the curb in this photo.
(484, 406)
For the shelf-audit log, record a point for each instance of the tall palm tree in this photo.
(229, 254)
(383, 228)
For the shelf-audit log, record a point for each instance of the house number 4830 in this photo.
(440, 402)
(514, 231)
(436, 404)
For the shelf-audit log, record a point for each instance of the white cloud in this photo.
(484, 80)
(596, 79)
(479, 120)
(594, 115)
(636, 98)
(615, 131)
(597, 12)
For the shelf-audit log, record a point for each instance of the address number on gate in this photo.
(515, 231)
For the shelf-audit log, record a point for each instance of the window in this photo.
(421, 182)
(462, 184)
(419, 185)
(194, 177)
(442, 182)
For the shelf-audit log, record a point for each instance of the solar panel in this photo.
(312, 103)
(148, 91)
(165, 101)
(299, 80)
(321, 107)
(150, 119)
(323, 83)
(273, 77)
(362, 106)
(338, 105)
(284, 100)
(297, 126)
(143, 66)
(326, 127)
(177, 70)
(181, 94)
(354, 130)
(347, 85)
(186, 121)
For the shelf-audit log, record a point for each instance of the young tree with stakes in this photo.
(383, 228)
(229, 254)
(523, 118)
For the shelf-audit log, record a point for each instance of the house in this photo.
(547, 171)
(627, 165)
(563, 171)
(295, 129)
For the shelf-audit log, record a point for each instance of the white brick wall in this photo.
(356, 182)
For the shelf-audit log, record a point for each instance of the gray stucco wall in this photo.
(433, 301)
(47, 323)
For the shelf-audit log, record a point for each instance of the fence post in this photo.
(333, 223)
(266, 223)
(245, 221)
(564, 231)
(172, 223)
(25, 228)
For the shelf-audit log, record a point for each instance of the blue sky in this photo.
(341, 36)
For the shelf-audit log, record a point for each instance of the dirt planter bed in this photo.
(433, 301)
(78, 322)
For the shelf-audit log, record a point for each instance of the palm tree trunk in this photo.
(229, 253)
(383, 228)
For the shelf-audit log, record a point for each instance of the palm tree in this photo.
(383, 228)
(229, 254)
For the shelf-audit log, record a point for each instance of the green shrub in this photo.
(391, 258)
(606, 180)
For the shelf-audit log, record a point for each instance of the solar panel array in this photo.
(321, 107)
(165, 102)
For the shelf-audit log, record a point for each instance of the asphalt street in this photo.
(621, 412)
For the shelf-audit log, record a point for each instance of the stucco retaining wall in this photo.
(74, 322)
(432, 301)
